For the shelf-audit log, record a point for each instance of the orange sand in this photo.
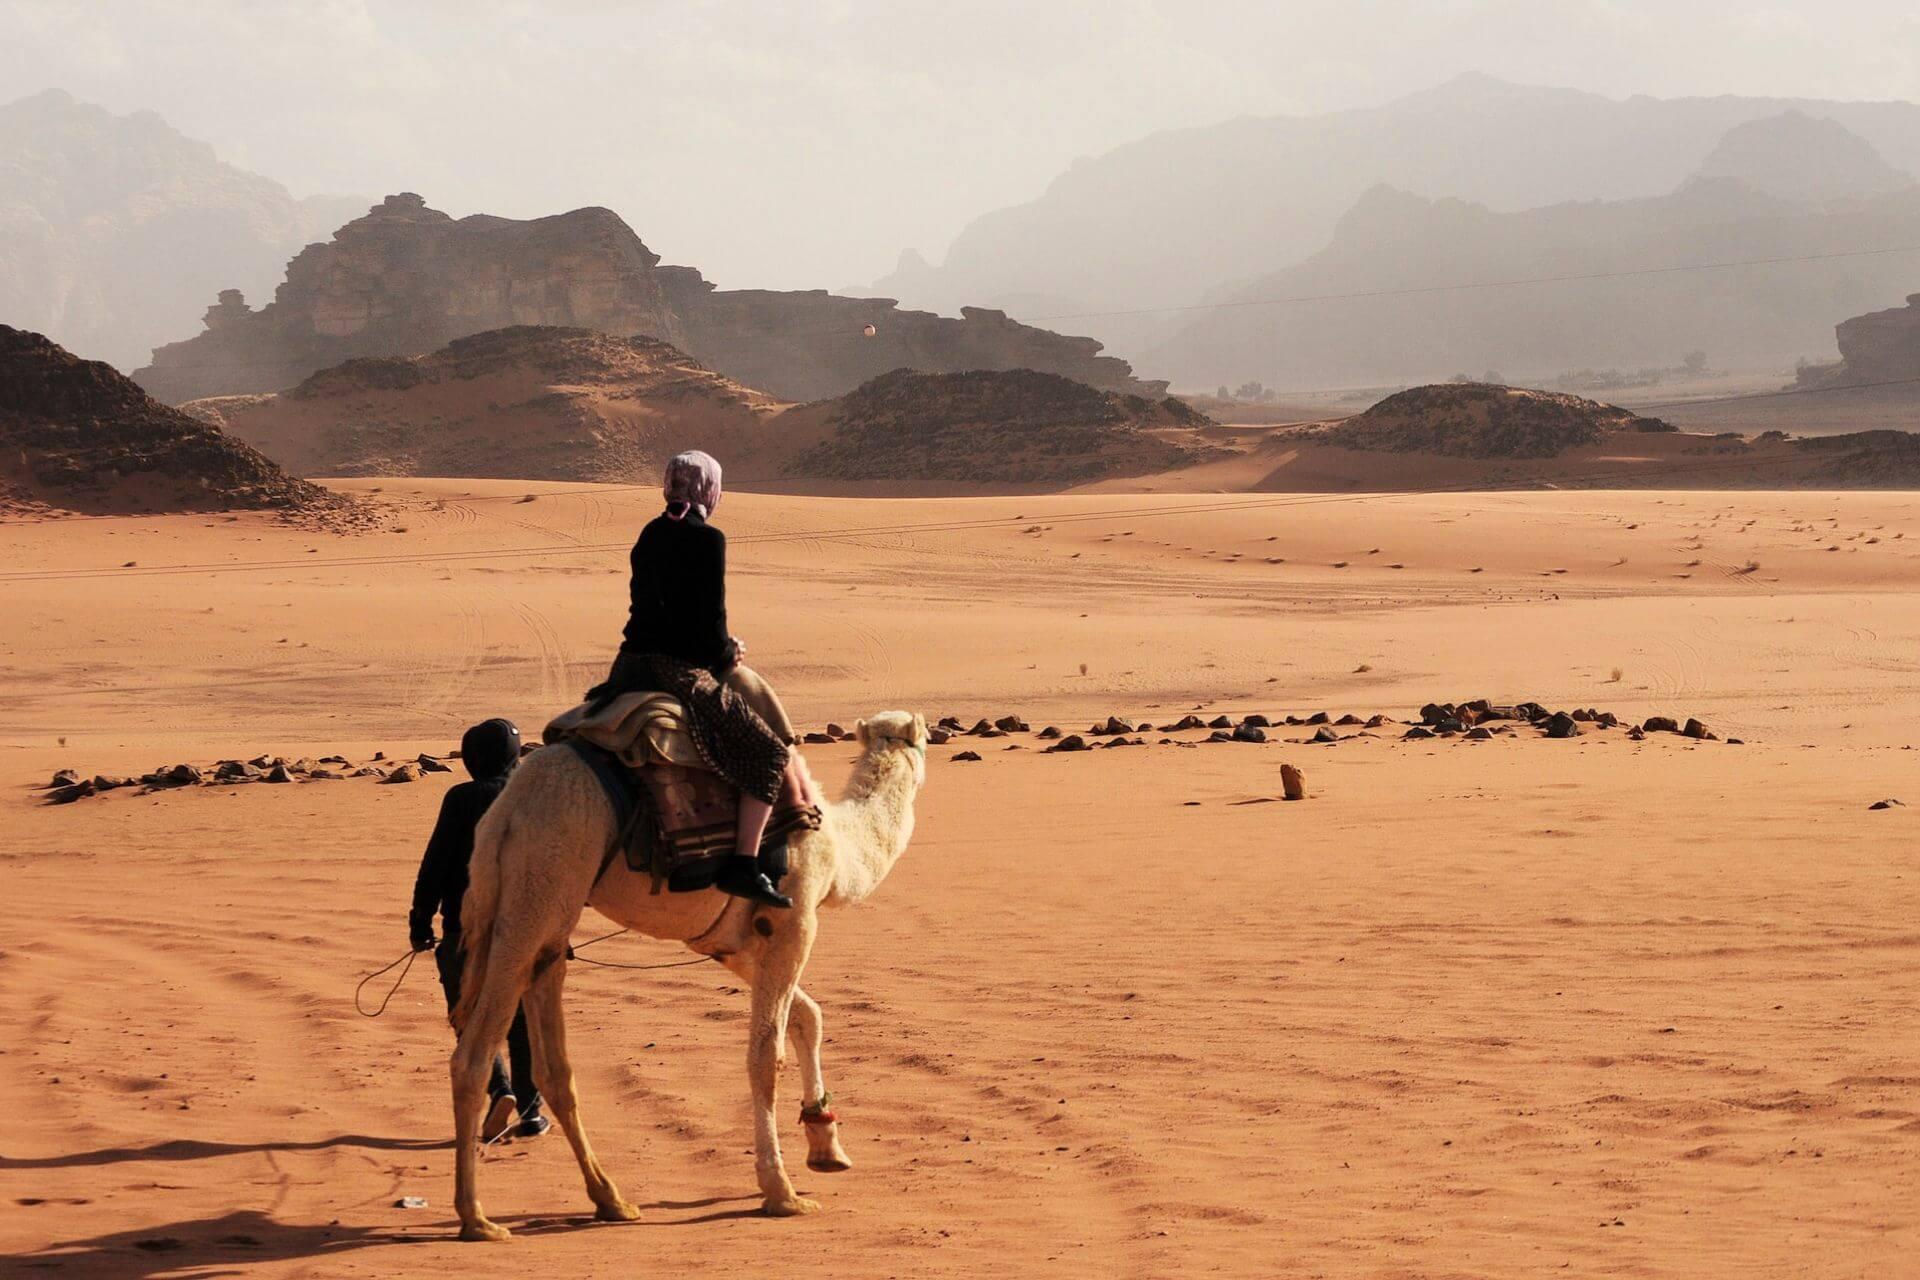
(1502, 1009)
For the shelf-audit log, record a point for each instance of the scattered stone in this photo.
(1350, 718)
(1249, 732)
(1220, 722)
(235, 771)
(1531, 712)
(991, 732)
(1184, 723)
(1699, 731)
(180, 775)
(1660, 724)
(1886, 804)
(1562, 725)
(821, 739)
(426, 762)
(979, 727)
(952, 724)
(1318, 717)
(1011, 724)
(1376, 721)
(1450, 724)
(65, 778)
(109, 781)
(1736, 742)
(965, 755)
(1418, 731)
(939, 735)
(1220, 735)
(410, 1202)
(280, 773)
(1434, 713)
(1112, 725)
(70, 792)
(1293, 783)
(1479, 733)
(368, 771)
(405, 773)
(1636, 734)
(451, 755)
(837, 732)
(381, 755)
(1050, 733)
(1257, 721)
(1072, 742)
(1324, 733)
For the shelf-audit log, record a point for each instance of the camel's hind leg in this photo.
(553, 1071)
(472, 1059)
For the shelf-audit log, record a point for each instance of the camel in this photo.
(537, 863)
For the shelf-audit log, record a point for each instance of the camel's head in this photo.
(901, 731)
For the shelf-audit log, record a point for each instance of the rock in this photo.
(322, 774)
(1220, 735)
(1183, 724)
(368, 771)
(1376, 721)
(1257, 721)
(70, 792)
(1112, 725)
(980, 726)
(1247, 732)
(965, 755)
(1293, 783)
(1418, 731)
(109, 781)
(410, 1202)
(379, 755)
(1072, 742)
(526, 749)
(181, 775)
(1636, 734)
(939, 735)
(405, 773)
(1886, 804)
(1736, 742)
(1351, 719)
(1050, 733)
(1697, 730)
(426, 762)
(1562, 725)
(1435, 712)
(235, 771)
(451, 755)
(1318, 717)
(1011, 724)
(1581, 714)
(952, 724)
(1324, 733)
(348, 296)
(1479, 733)
(1220, 722)
(822, 739)
(65, 778)
(1450, 724)
(991, 732)
(1660, 724)
(1531, 712)
(280, 773)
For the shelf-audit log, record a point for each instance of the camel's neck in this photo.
(872, 822)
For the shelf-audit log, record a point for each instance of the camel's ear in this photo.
(860, 732)
(919, 729)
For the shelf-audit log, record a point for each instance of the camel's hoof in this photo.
(829, 1164)
(618, 1211)
(794, 1208)
(484, 1230)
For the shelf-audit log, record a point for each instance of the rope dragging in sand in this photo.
(573, 953)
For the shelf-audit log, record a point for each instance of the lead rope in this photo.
(573, 953)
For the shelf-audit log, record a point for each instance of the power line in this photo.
(1482, 284)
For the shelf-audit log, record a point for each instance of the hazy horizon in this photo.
(799, 149)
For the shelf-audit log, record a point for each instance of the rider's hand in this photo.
(424, 942)
(739, 647)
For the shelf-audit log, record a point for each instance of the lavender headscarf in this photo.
(693, 484)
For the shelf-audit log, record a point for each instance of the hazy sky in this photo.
(804, 144)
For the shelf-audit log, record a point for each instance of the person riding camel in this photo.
(676, 641)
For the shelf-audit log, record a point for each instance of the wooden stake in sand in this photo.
(1294, 782)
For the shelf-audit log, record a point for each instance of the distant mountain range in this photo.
(1181, 216)
(115, 231)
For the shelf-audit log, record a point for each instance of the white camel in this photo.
(537, 863)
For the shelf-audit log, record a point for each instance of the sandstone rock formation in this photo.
(524, 403)
(1479, 420)
(998, 427)
(406, 279)
(115, 228)
(1879, 347)
(78, 435)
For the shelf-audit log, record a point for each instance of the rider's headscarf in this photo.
(693, 484)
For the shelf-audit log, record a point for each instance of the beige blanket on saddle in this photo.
(643, 729)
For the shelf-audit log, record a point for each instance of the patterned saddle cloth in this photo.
(676, 816)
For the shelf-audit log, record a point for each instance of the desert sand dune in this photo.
(1500, 1008)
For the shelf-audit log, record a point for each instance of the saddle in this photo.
(675, 816)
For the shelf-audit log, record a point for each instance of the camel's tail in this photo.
(478, 908)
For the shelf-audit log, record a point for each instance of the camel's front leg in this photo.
(824, 1152)
(775, 979)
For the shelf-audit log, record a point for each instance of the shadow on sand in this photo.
(237, 1242)
(193, 1149)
